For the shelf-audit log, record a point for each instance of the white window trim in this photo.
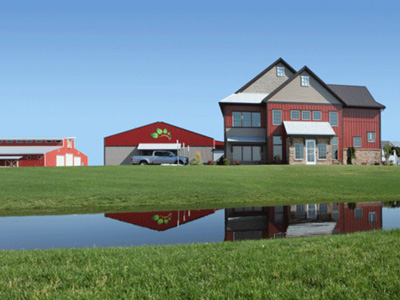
(354, 144)
(291, 117)
(273, 119)
(302, 115)
(315, 111)
(373, 136)
(337, 118)
(326, 152)
(280, 71)
(305, 81)
(299, 159)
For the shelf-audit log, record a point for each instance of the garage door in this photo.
(60, 161)
(77, 161)
(69, 160)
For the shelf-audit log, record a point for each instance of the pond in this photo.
(194, 226)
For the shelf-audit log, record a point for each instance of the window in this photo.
(316, 115)
(335, 153)
(255, 119)
(371, 137)
(305, 80)
(19, 141)
(358, 212)
(298, 151)
(277, 148)
(237, 119)
(28, 157)
(357, 141)
(48, 141)
(276, 117)
(9, 141)
(29, 141)
(38, 141)
(58, 141)
(279, 235)
(39, 157)
(321, 151)
(323, 209)
(311, 211)
(306, 115)
(246, 119)
(278, 210)
(1, 141)
(280, 71)
(371, 217)
(246, 153)
(300, 211)
(295, 114)
(333, 119)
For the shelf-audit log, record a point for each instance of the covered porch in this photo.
(310, 143)
(9, 161)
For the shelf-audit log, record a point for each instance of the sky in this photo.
(91, 69)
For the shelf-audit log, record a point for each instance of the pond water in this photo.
(194, 226)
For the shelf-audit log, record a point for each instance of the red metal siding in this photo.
(142, 135)
(252, 108)
(34, 161)
(51, 156)
(359, 121)
(286, 108)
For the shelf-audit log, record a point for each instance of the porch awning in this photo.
(169, 146)
(246, 139)
(308, 128)
(10, 157)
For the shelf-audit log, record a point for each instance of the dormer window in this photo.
(305, 80)
(280, 71)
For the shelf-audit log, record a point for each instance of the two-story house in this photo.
(284, 116)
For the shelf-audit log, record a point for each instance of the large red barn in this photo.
(40, 152)
(120, 147)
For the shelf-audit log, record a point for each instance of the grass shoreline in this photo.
(137, 188)
(357, 266)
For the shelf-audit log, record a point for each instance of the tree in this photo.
(387, 151)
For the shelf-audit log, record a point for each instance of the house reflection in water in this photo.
(160, 220)
(301, 220)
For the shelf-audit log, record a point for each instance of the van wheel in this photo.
(143, 163)
(181, 162)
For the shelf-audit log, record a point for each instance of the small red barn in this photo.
(40, 152)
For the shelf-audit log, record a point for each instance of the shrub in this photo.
(351, 153)
(336, 162)
(278, 159)
(211, 163)
(196, 161)
(225, 161)
(377, 164)
(235, 162)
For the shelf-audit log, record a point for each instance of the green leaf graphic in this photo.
(169, 133)
(169, 218)
(155, 217)
(165, 130)
(159, 131)
(166, 221)
(154, 135)
(160, 221)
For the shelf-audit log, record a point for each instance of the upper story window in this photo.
(1, 141)
(246, 119)
(295, 114)
(280, 71)
(29, 141)
(19, 141)
(371, 137)
(306, 115)
(48, 141)
(9, 141)
(38, 141)
(316, 115)
(305, 80)
(276, 117)
(357, 141)
(333, 118)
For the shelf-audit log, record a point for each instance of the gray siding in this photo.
(239, 131)
(295, 93)
(121, 155)
(269, 81)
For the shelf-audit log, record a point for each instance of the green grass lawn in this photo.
(358, 266)
(116, 188)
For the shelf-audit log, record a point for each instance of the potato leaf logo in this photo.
(161, 133)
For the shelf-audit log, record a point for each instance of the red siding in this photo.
(286, 108)
(142, 135)
(51, 156)
(34, 161)
(359, 121)
(253, 108)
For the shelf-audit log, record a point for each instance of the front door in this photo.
(310, 151)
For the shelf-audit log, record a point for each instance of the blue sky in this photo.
(96, 68)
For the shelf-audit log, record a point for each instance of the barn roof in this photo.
(355, 96)
(13, 150)
(24, 138)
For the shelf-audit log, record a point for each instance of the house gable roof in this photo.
(356, 96)
(311, 73)
(279, 60)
